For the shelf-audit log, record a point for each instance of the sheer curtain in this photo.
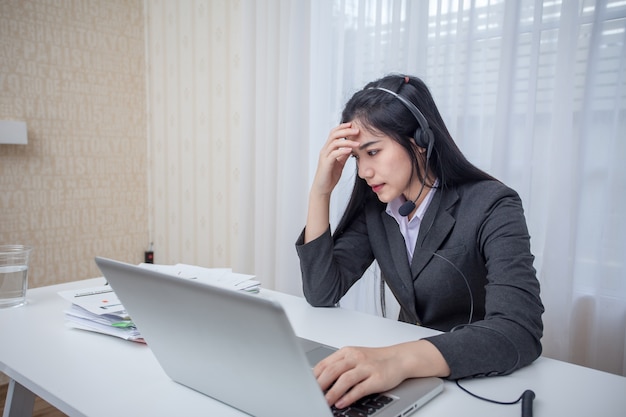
(228, 101)
(278, 59)
(242, 95)
(533, 92)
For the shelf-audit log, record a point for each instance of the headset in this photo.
(423, 136)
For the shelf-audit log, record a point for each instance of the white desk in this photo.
(88, 374)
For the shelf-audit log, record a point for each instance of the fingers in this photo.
(343, 131)
(354, 372)
(350, 386)
(337, 144)
(333, 157)
(329, 369)
(346, 376)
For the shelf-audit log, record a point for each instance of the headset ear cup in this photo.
(424, 139)
(418, 136)
(428, 140)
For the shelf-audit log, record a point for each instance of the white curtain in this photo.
(242, 95)
(535, 93)
(279, 137)
(228, 96)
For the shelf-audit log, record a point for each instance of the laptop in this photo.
(238, 348)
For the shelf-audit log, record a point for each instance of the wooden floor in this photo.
(41, 409)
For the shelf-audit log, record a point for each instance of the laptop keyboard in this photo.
(366, 406)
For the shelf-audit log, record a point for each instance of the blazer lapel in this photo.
(435, 226)
(403, 290)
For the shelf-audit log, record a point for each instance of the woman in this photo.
(450, 240)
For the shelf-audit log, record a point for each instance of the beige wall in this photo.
(75, 72)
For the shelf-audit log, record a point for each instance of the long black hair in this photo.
(382, 113)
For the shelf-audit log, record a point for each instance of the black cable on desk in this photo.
(526, 398)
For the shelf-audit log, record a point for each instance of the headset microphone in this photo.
(406, 208)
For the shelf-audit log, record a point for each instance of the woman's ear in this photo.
(418, 148)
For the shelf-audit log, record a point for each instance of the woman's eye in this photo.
(372, 153)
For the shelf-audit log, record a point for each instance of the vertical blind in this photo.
(533, 92)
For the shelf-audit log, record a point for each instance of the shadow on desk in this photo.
(41, 408)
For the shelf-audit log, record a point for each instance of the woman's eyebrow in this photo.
(367, 144)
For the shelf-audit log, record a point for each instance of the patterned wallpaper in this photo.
(75, 72)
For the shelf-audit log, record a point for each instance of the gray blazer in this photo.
(472, 262)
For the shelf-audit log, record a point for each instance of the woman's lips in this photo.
(376, 188)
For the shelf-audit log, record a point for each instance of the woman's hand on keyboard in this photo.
(354, 372)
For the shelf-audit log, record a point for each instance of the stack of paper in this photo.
(99, 310)
(221, 277)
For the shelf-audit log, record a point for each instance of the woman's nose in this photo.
(365, 171)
